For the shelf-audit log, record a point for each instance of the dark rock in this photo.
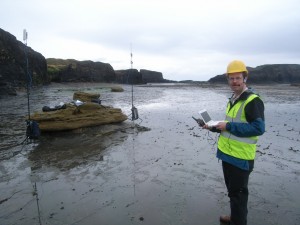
(267, 74)
(13, 63)
(130, 76)
(7, 89)
(16, 72)
(133, 76)
(149, 76)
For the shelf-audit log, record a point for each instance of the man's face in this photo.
(236, 82)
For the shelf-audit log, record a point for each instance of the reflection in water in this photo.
(66, 150)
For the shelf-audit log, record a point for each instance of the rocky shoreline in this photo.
(16, 73)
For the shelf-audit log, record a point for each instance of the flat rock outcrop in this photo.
(75, 117)
(80, 113)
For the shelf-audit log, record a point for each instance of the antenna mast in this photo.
(25, 36)
(33, 130)
(134, 111)
(131, 63)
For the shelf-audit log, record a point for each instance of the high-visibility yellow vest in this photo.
(239, 147)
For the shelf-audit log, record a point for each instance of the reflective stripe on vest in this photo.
(241, 139)
(239, 147)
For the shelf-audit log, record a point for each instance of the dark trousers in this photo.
(236, 181)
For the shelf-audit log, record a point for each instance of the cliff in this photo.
(13, 69)
(130, 76)
(267, 74)
(13, 64)
(71, 70)
(133, 76)
(149, 76)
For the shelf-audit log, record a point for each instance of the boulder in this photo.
(85, 97)
(75, 117)
(117, 89)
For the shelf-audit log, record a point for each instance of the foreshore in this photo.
(160, 169)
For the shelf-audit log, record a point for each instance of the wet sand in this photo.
(160, 169)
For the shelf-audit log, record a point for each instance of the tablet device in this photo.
(207, 119)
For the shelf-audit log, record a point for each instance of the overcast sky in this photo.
(185, 40)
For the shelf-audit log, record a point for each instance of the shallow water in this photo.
(121, 174)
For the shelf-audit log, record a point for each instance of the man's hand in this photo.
(221, 126)
(205, 126)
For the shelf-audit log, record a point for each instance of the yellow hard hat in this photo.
(236, 66)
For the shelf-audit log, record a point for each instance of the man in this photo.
(237, 142)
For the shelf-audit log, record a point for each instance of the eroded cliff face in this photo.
(133, 76)
(130, 76)
(149, 76)
(20, 66)
(71, 70)
(66, 70)
(14, 58)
